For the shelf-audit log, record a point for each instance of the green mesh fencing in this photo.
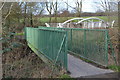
(52, 43)
(91, 44)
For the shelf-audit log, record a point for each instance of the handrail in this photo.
(71, 20)
(90, 18)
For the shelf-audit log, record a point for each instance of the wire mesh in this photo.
(91, 44)
(51, 43)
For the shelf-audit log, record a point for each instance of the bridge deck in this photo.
(79, 68)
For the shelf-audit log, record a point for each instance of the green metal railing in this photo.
(91, 44)
(52, 43)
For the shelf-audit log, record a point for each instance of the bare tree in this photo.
(25, 13)
(49, 7)
(8, 11)
(109, 7)
(2, 5)
(55, 6)
(78, 7)
(41, 8)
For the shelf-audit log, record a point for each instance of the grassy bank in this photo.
(62, 19)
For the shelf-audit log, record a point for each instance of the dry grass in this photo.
(113, 33)
(23, 63)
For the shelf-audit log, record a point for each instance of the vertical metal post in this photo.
(85, 43)
(25, 33)
(66, 48)
(106, 47)
(71, 40)
(113, 53)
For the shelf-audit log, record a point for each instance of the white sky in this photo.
(88, 5)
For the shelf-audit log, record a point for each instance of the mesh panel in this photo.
(90, 44)
(49, 42)
(95, 46)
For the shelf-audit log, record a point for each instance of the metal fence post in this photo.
(71, 40)
(106, 47)
(66, 49)
(113, 52)
(85, 54)
(25, 33)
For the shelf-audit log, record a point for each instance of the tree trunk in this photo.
(25, 9)
(50, 18)
(56, 12)
(31, 19)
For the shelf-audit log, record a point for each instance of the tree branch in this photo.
(9, 11)
(70, 6)
(2, 6)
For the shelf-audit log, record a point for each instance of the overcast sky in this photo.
(88, 5)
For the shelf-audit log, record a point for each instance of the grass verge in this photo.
(114, 67)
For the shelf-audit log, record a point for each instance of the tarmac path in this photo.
(79, 68)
